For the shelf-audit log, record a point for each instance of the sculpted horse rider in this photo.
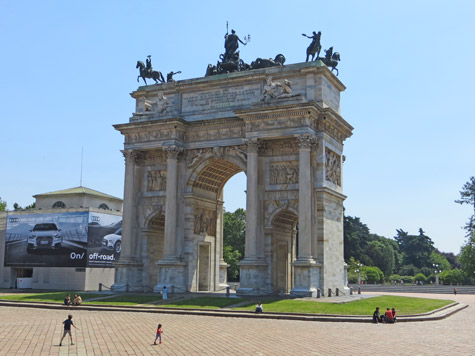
(331, 59)
(146, 71)
(315, 47)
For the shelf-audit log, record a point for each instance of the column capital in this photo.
(173, 151)
(253, 145)
(132, 156)
(306, 141)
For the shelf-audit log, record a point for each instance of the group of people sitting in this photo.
(76, 301)
(389, 317)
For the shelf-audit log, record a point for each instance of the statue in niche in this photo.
(193, 160)
(146, 71)
(333, 167)
(205, 222)
(315, 47)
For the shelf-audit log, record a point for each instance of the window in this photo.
(103, 206)
(59, 204)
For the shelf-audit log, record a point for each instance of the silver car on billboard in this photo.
(44, 236)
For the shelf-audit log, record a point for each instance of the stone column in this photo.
(221, 266)
(306, 270)
(169, 251)
(253, 266)
(252, 202)
(128, 270)
(171, 268)
(304, 252)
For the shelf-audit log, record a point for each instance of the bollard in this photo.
(359, 290)
(227, 291)
(172, 289)
(100, 287)
(318, 292)
(351, 291)
(329, 292)
(337, 292)
(235, 287)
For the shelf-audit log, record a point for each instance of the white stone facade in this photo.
(178, 159)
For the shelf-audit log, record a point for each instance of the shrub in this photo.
(452, 276)
(373, 274)
(420, 278)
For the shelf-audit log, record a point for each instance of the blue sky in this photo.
(67, 69)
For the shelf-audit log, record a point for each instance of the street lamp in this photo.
(437, 271)
(358, 270)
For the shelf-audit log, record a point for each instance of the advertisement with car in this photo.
(68, 239)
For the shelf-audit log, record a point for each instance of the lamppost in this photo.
(358, 270)
(437, 271)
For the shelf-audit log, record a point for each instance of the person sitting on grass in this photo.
(393, 311)
(259, 308)
(376, 316)
(77, 300)
(388, 317)
(67, 300)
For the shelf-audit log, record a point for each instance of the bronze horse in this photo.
(154, 74)
(315, 47)
(332, 62)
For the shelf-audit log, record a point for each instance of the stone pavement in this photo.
(37, 332)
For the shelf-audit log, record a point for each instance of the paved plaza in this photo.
(29, 331)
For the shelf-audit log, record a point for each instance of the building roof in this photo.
(78, 190)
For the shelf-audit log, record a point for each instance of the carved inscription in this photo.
(284, 173)
(332, 167)
(156, 180)
(221, 98)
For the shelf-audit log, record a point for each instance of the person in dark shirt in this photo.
(67, 329)
(376, 316)
(67, 300)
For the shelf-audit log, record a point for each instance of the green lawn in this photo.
(204, 303)
(49, 297)
(126, 300)
(403, 305)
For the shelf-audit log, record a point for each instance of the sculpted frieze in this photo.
(284, 173)
(212, 133)
(332, 167)
(280, 148)
(156, 180)
(205, 221)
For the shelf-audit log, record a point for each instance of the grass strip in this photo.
(203, 303)
(126, 300)
(55, 297)
(403, 305)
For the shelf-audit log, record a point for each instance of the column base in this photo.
(306, 278)
(253, 275)
(223, 275)
(128, 276)
(171, 273)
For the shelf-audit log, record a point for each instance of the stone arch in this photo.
(58, 205)
(283, 236)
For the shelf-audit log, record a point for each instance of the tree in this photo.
(234, 234)
(453, 276)
(467, 196)
(467, 256)
(3, 205)
(373, 274)
(416, 248)
(17, 207)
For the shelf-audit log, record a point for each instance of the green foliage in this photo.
(234, 235)
(417, 249)
(232, 258)
(420, 278)
(31, 206)
(203, 303)
(437, 258)
(373, 274)
(3, 205)
(408, 270)
(453, 276)
(467, 196)
(467, 256)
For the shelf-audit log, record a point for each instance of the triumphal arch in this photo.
(281, 126)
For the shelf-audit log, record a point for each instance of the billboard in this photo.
(63, 239)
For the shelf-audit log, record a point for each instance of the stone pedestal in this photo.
(253, 278)
(171, 273)
(223, 275)
(128, 276)
(306, 278)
